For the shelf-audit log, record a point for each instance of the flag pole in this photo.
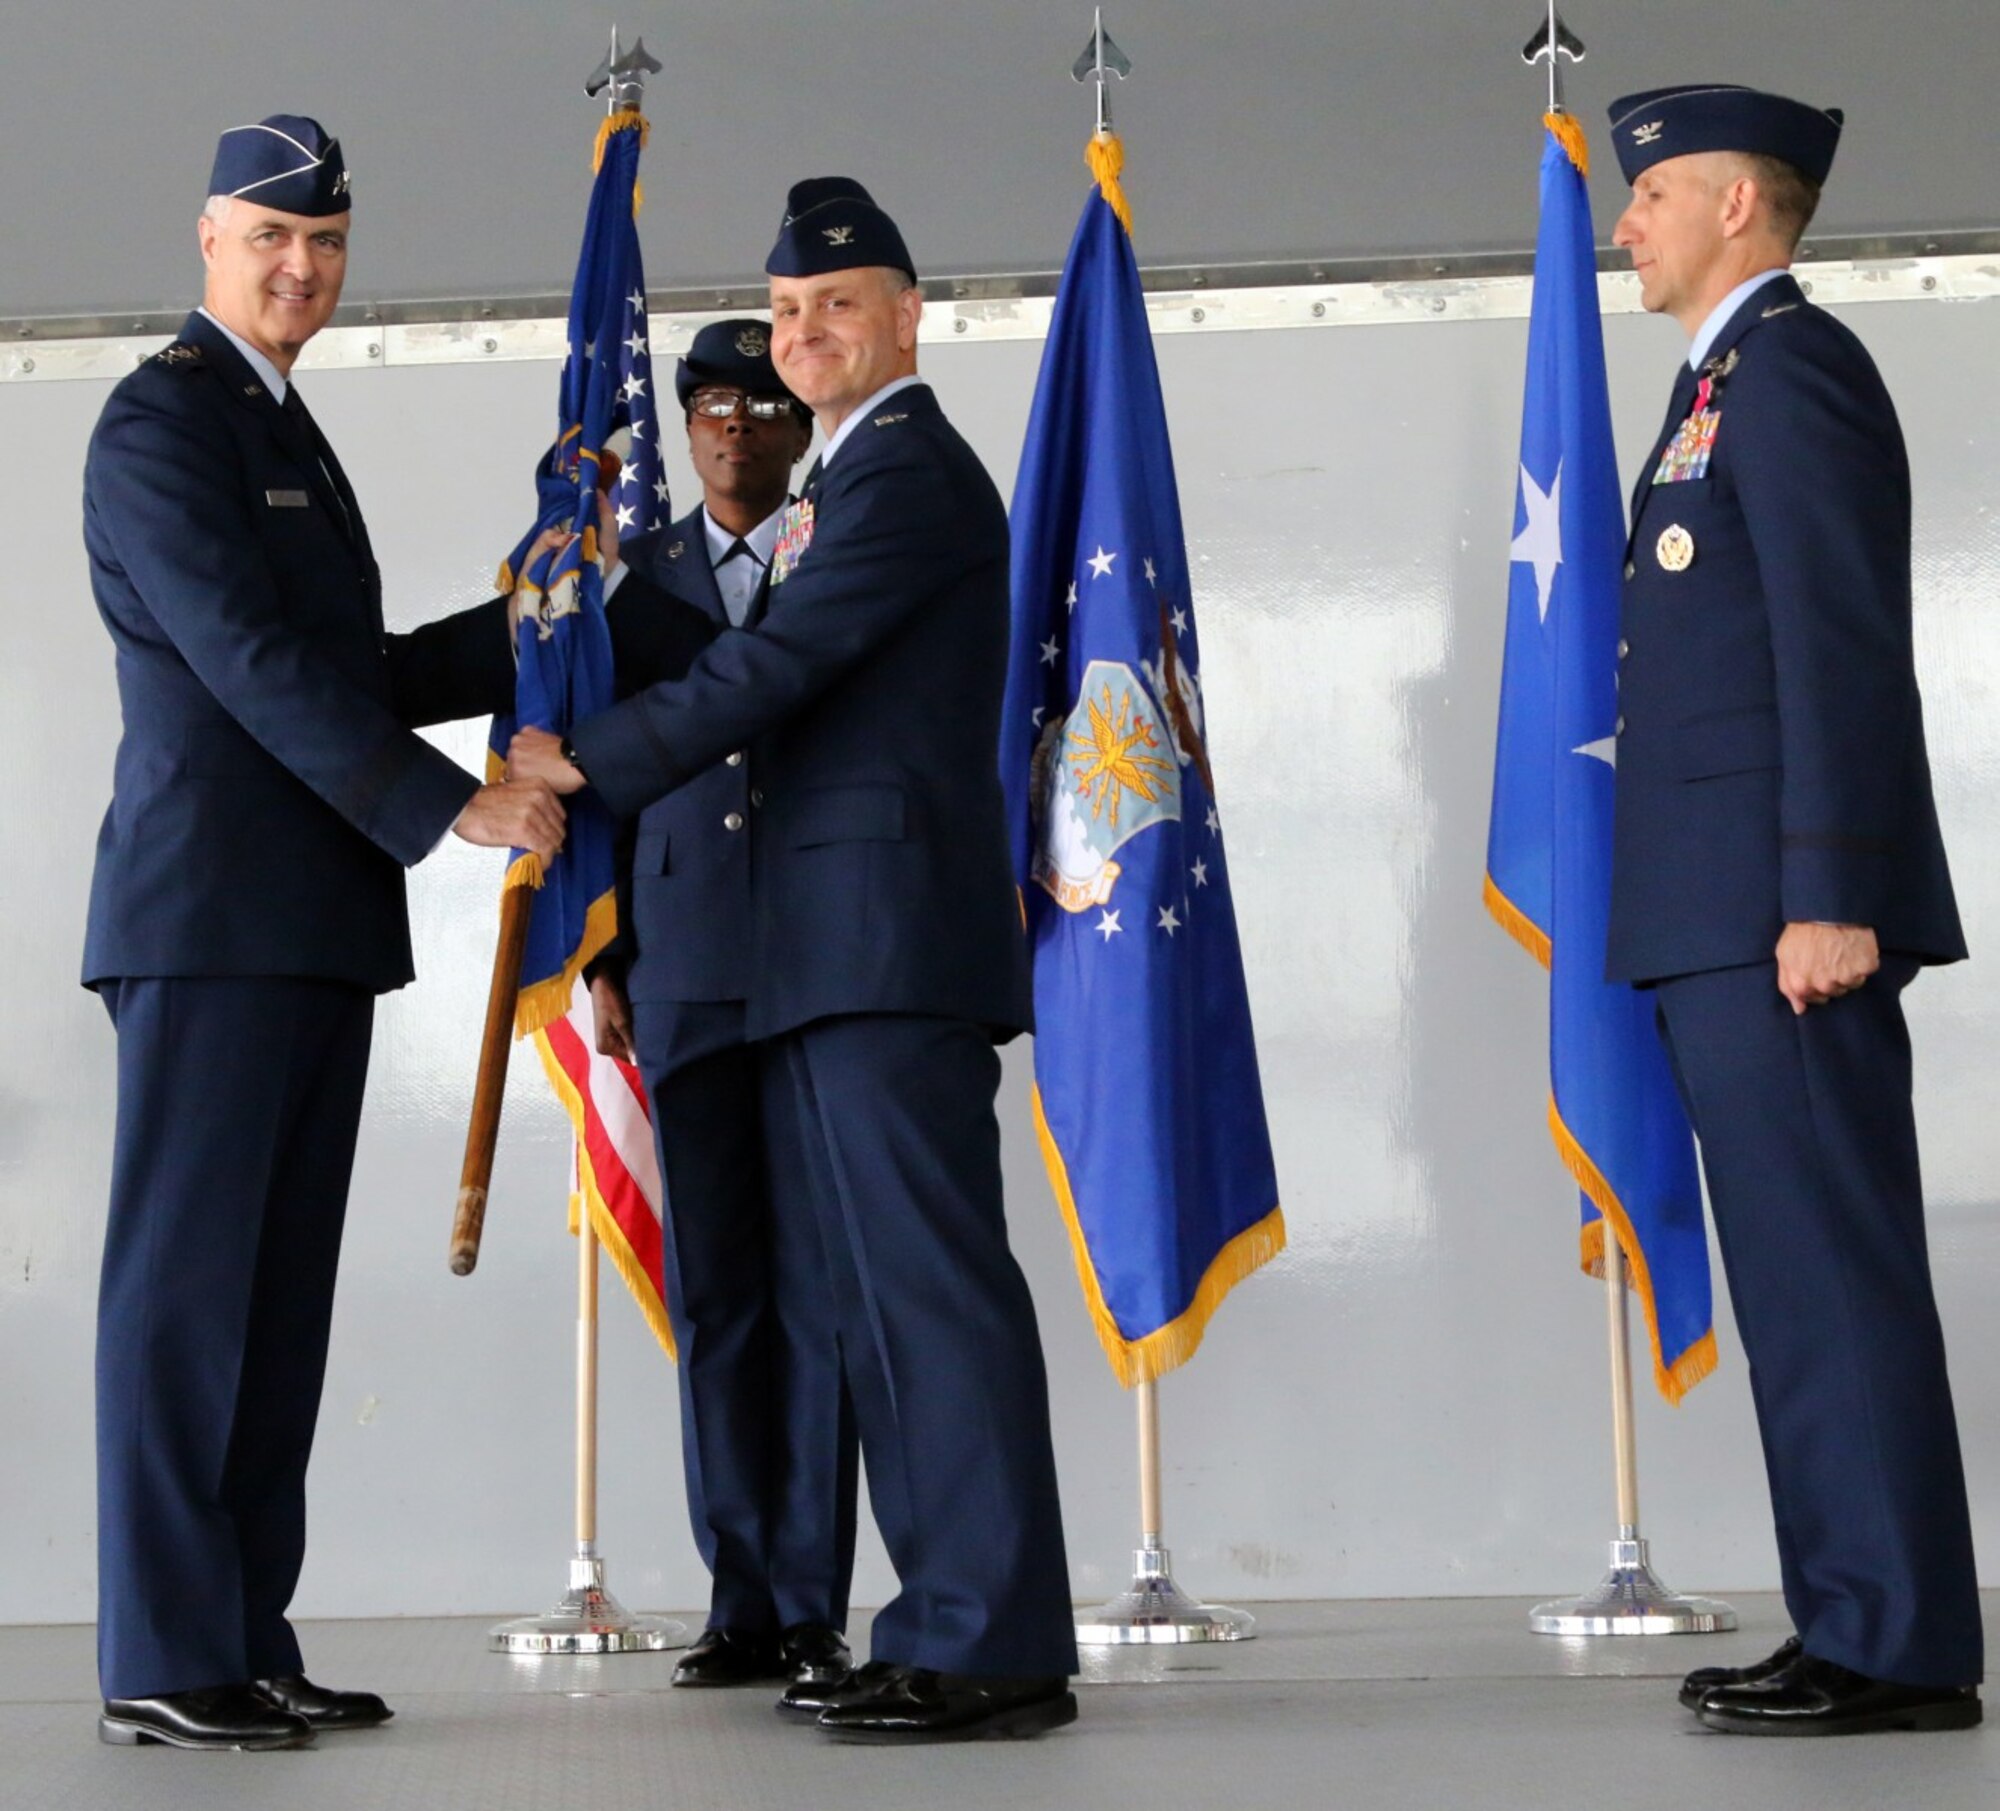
(1154, 1608)
(587, 1619)
(1630, 1599)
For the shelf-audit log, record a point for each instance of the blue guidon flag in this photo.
(1147, 1098)
(1615, 1116)
(565, 648)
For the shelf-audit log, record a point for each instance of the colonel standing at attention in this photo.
(1778, 879)
(246, 908)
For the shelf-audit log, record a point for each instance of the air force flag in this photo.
(1147, 1099)
(1613, 1111)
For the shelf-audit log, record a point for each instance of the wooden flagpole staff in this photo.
(517, 906)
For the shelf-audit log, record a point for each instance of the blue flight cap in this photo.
(735, 353)
(1649, 128)
(285, 162)
(832, 223)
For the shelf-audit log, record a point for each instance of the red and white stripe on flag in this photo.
(617, 1170)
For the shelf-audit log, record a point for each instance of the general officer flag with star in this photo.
(1615, 1116)
(564, 645)
(1147, 1098)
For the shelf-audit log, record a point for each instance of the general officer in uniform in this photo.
(247, 906)
(886, 959)
(1778, 880)
(767, 1434)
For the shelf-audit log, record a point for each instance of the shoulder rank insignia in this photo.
(676, 550)
(889, 421)
(1779, 308)
(180, 355)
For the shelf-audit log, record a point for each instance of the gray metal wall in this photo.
(1412, 1399)
(1263, 129)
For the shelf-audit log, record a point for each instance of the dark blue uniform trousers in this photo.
(238, 1104)
(768, 1444)
(882, 1132)
(1809, 1145)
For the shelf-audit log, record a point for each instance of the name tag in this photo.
(288, 499)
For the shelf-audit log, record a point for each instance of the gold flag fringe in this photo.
(542, 1002)
(1676, 1379)
(1137, 1361)
(626, 119)
(1568, 131)
(609, 1233)
(1517, 924)
(1107, 163)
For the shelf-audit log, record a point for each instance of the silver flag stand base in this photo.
(1157, 1609)
(1631, 1601)
(588, 1620)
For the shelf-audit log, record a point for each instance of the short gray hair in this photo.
(216, 208)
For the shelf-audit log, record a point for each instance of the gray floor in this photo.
(1418, 1704)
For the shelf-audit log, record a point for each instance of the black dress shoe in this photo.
(911, 1704)
(211, 1716)
(819, 1662)
(1704, 1679)
(805, 1698)
(731, 1657)
(321, 1708)
(1817, 1698)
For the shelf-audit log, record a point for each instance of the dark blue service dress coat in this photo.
(246, 906)
(1772, 770)
(767, 1435)
(885, 958)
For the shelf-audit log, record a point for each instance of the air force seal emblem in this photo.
(753, 342)
(1101, 775)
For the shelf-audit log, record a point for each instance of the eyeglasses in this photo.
(720, 405)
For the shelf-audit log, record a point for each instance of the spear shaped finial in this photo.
(1101, 60)
(622, 79)
(1553, 42)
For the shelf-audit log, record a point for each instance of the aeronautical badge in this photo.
(1100, 776)
(753, 342)
(795, 535)
(1674, 549)
(180, 355)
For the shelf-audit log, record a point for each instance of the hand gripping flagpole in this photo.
(1153, 1608)
(587, 1619)
(1630, 1599)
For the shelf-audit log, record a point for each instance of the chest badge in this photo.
(1675, 549)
